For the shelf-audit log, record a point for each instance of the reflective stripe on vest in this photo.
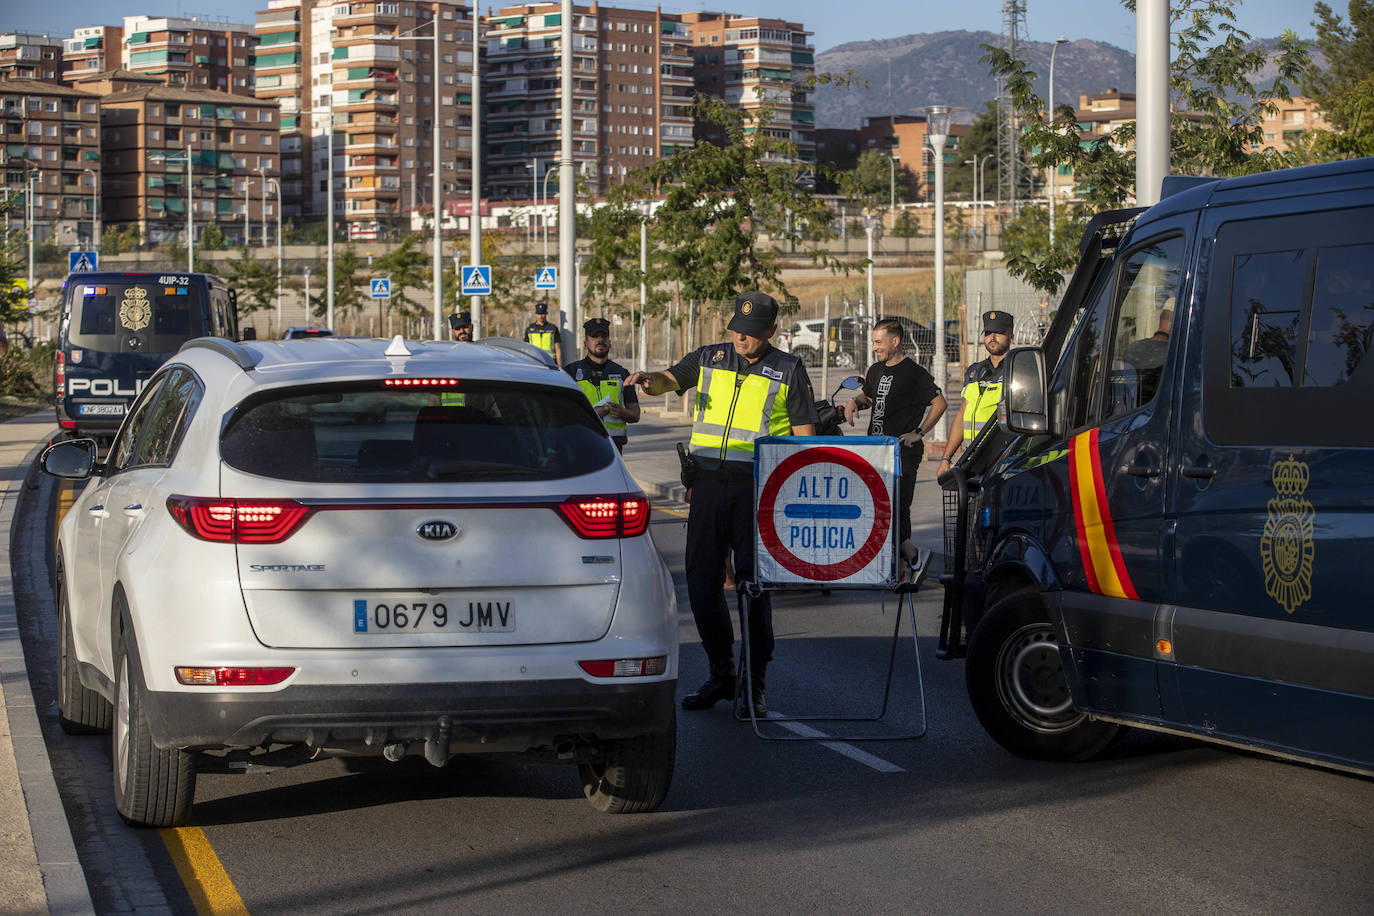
(980, 405)
(733, 410)
(541, 339)
(595, 393)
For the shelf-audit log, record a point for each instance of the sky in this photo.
(834, 23)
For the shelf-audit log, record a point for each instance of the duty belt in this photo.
(725, 475)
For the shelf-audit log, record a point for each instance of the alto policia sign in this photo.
(826, 511)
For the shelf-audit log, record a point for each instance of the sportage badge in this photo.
(437, 530)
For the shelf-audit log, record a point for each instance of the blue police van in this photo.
(1171, 523)
(117, 328)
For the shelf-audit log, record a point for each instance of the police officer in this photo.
(745, 389)
(460, 324)
(544, 335)
(602, 380)
(982, 386)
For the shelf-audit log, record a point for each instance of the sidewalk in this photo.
(39, 871)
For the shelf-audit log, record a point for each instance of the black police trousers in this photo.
(721, 519)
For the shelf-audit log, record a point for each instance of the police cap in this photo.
(595, 326)
(755, 313)
(997, 322)
(541, 308)
(460, 320)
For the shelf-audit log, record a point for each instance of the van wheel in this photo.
(634, 775)
(1018, 688)
(152, 787)
(80, 710)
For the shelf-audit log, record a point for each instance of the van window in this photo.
(139, 317)
(1087, 358)
(1341, 331)
(1267, 290)
(1146, 295)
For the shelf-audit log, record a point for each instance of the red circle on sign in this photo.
(882, 514)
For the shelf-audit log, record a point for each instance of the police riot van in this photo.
(117, 328)
(1171, 523)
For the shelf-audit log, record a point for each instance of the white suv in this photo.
(350, 547)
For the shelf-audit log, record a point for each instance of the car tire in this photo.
(1018, 688)
(634, 774)
(152, 787)
(843, 359)
(80, 710)
(808, 356)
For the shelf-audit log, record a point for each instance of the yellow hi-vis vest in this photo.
(543, 339)
(733, 409)
(594, 393)
(980, 405)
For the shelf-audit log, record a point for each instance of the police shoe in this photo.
(719, 686)
(755, 693)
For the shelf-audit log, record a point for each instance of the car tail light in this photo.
(626, 667)
(232, 677)
(60, 374)
(421, 383)
(238, 521)
(597, 517)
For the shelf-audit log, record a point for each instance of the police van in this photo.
(117, 328)
(1171, 523)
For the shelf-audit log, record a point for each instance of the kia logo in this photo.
(437, 530)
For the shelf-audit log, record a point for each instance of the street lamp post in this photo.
(277, 186)
(534, 193)
(937, 131)
(643, 281)
(262, 211)
(869, 311)
(329, 206)
(1054, 167)
(28, 219)
(892, 188)
(307, 292)
(190, 214)
(544, 219)
(977, 197)
(247, 186)
(95, 209)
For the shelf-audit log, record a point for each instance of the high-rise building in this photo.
(28, 56)
(757, 64)
(147, 132)
(372, 64)
(52, 134)
(193, 53)
(632, 93)
(93, 49)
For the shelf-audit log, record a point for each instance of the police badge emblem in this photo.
(1287, 548)
(717, 356)
(135, 311)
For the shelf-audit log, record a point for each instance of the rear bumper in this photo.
(501, 715)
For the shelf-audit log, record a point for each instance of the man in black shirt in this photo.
(899, 391)
(602, 380)
(746, 389)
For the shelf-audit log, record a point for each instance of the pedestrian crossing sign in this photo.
(381, 288)
(546, 278)
(477, 280)
(82, 261)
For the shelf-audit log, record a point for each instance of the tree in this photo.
(1216, 114)
(410, 266)
(1345, 88)
(980, 141)
(255, 281)
(348, 296)
(720, 199)
(874, 180)
(212, 238)
(13, 265)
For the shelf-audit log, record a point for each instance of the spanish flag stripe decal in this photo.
(1102, 561)
(1075, 475)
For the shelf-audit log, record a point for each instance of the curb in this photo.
(64, 881)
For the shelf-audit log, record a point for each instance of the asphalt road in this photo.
(948, 823)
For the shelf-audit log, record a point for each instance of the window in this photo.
(1267, 290)
(1147, 290)
(154, 134)
(265, 117)
(266, 140)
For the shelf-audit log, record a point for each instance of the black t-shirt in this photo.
(900, 396)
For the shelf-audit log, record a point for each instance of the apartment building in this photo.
(1283, 128)
(149, 131)
(632, 93)
(372, 64)
(52, 137)
(755, 64)
(905, 139)
(192, 53)
(28, 56)
(93, 49)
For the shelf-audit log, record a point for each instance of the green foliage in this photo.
(719, 199)
(1026, 244)
(317, 233)
(871, 182)
(348, 279)
(1345, 89)
(27, 371)
(121, 239)
(1208, 130)
(256, 282)
(212, 238)
(410, 266)
(906, 226)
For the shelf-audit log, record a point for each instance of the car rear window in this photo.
(138, 317)
(371, 433)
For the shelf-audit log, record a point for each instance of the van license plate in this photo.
(485, 615)
(102, 410)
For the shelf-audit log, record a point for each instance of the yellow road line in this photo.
(662, 508)
(202, 872)
(66, 495)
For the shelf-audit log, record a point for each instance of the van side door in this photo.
(1105, 511)
(1273, 487)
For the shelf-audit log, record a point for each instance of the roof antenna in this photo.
(397, 347)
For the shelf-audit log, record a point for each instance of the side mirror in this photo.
(73, 459)
(1024, 409)
(852, 383)
(250, 333)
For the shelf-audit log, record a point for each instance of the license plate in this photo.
(102, 410)
(426, 615)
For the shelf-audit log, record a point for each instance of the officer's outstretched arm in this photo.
(653, 383)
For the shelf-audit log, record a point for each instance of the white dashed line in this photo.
(839, 747)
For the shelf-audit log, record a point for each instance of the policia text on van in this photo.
(1171, 523)
(117, 328)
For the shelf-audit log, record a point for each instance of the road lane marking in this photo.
(202, 872)
(839, 747)
(66, 495)
(663, 508)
